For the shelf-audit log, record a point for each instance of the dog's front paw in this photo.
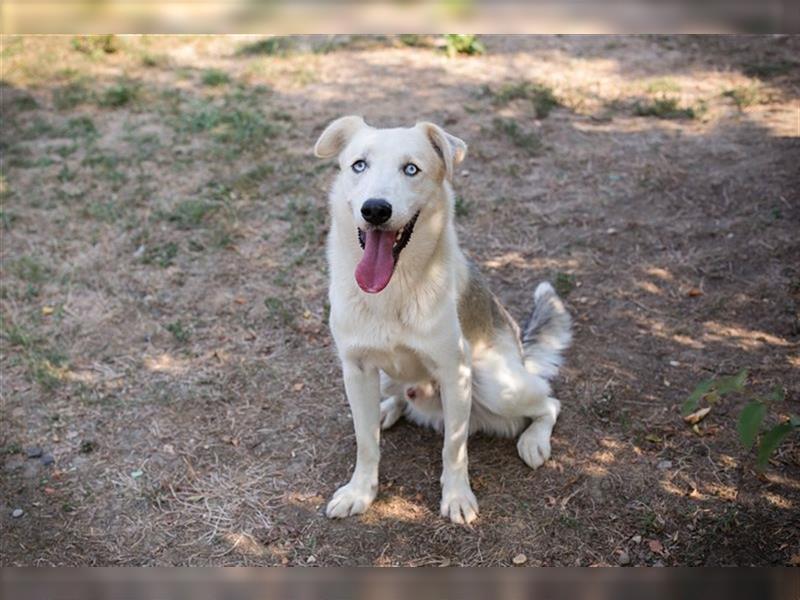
(350, 499)
(391, 411)
(534, 445)
(459, 503)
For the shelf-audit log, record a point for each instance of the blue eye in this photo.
(359, 166)
(411, 169)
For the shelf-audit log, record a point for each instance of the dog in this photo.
(413, 320)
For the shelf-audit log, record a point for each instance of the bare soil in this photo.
(164, 310)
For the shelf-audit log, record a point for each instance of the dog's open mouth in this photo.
(382, 248)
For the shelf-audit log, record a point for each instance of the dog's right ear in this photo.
(337, 135)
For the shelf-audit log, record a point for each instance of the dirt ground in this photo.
(164, 336)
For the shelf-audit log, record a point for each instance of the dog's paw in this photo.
(350, 500)
(459, 504)
(534, 445)
(391, 411)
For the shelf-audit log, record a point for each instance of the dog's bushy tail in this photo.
(547, 333)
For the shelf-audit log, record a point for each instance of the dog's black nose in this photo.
(376, 211)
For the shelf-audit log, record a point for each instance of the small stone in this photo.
(624, 558)
(637, 539)
(33, 452)
(311, 559)
(674, 363)
(664, 465)
(17, 513)
(47, 460)
(519, 559)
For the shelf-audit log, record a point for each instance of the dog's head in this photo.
(387, 178)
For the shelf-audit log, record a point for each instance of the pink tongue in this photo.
(377, 265)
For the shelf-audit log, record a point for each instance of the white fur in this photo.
(407, 340)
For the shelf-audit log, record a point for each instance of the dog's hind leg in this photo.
(394, 404)
(507, 389)
(392, 408)
(533, 445)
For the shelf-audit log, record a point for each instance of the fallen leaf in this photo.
(697, 416)
(519, 559)
(656, 547)
(49, 491)
(47, 310)
(694, 293)
(297, 387)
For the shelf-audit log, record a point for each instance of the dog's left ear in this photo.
(450, 149)
(337, 135)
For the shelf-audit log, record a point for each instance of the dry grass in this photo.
(164, 306)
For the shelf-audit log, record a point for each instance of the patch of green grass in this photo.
(24, 102)
(466, 44)
(189, 214)
(179, 331)
(214, 77)
(121, 93)
(12, 448)
(154, 60)
(664, 108)
(767, 70)
(107, 212)
(663, 86)
(563, 283)
(461, 207)
(96, 44)
(250, 180)
(281, 311)
(541, 96)
(80, 127)
(233, 122)
(66, 150)
(30, 269)
(530, 142)
(162, 255)
(45, 364)
(744, 96)
(105, 164)
(272, 46)
(7, 219)
(412, 40)
(72, 94)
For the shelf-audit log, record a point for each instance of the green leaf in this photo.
(731, 383)
(776, 395)
(771, 441)
(693, 401)
(749, 422)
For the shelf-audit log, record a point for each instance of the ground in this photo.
(164, 311)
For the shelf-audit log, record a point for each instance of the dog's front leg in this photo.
(455, 381)
(363, 393)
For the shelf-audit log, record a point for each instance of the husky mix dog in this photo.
(413, 320)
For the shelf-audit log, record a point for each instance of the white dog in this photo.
(413, 320)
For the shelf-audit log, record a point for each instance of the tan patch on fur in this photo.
(480, 313)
